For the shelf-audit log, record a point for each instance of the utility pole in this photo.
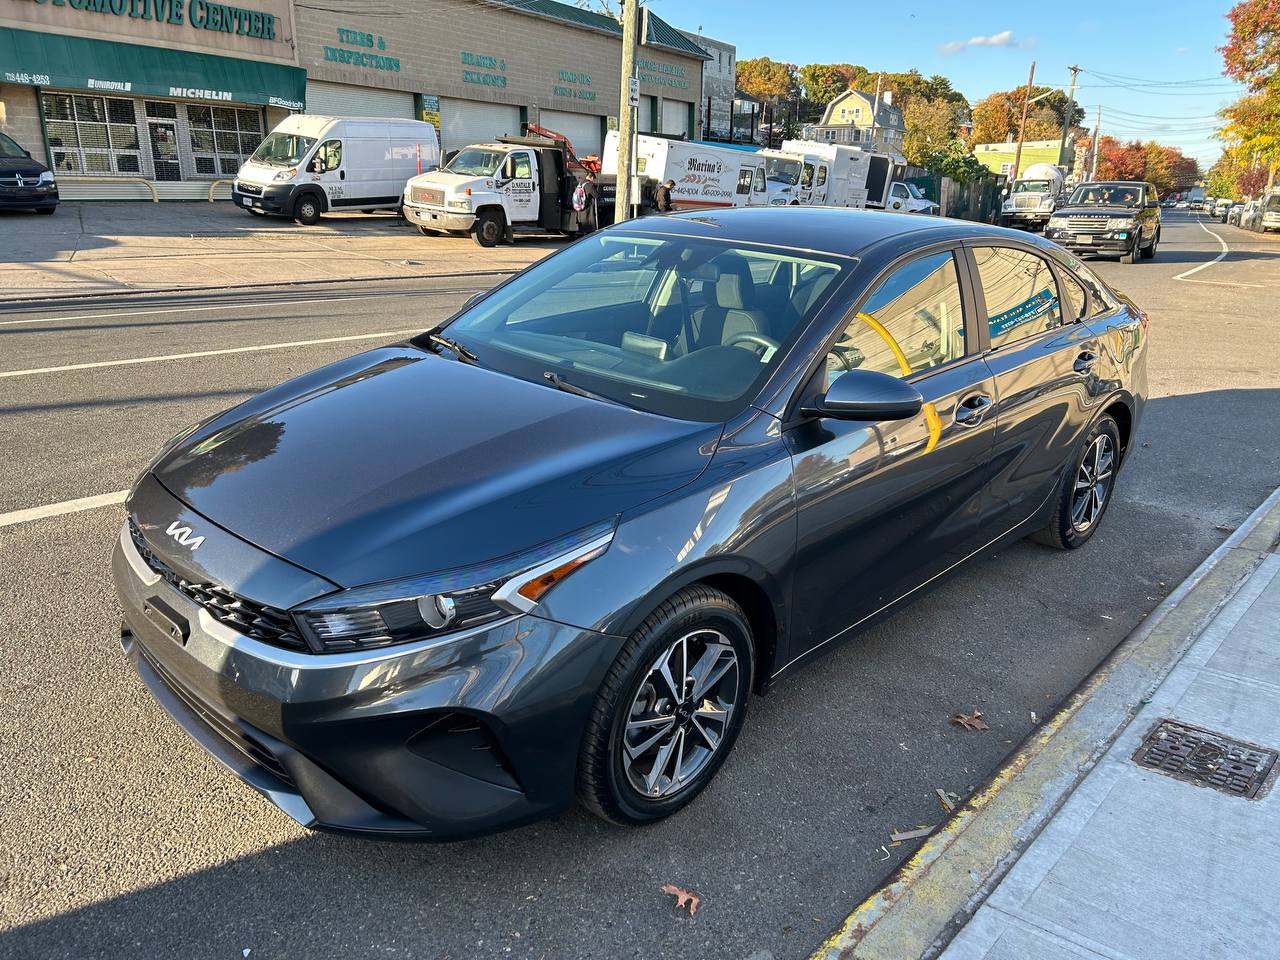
(626, 114)
(1097, 136)
(875, 110)
(1022, 127)
(1066, 117)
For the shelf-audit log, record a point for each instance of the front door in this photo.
(328, 168)
(164, 150)
(819, 195)
(522, 189)
(883, 507)
(1042, 357)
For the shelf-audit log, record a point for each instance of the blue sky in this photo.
(1169, 47)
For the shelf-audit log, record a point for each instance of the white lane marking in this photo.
(1209, 263)
(66, 506)
(232, 306)
(385, 334)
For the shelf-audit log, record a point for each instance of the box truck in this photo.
(706, 175)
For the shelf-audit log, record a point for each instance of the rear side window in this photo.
(1020, 291)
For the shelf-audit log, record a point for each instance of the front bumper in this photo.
(435, 218)
(1108, 242)
(439, 740)
(271, 198)
(1027, 216)
(28, 198)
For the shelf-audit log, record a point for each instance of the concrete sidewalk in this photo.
(1138, 864)
(112, 247)
(1076, 850)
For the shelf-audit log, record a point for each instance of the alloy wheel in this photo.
(681, 713)
(1093, 483)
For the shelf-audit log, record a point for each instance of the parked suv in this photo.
(1112, 217)
(25, 182)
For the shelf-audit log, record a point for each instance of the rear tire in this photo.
(1149, 253)
(1086, 491)
(307, 210)
(46, 210)
(489, 228)
(630, 776)
(370, 210)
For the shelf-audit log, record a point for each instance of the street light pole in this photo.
(1022, 127)
(626, 114)
(1066, 117)
(1097, 137)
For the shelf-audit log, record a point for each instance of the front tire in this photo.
(46, 210)
(307, 210)
(1086, 493)
(489, 228)
(669, 709)
(1150, 252)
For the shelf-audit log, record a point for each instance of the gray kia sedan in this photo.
(552, 546)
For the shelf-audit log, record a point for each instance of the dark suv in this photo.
(1110, 217)
(25, 183)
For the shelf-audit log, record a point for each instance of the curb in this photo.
(926, 901)
(135, 292)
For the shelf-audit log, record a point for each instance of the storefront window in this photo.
(222, 138)
(92, 134)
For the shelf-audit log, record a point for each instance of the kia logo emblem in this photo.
(184, 535)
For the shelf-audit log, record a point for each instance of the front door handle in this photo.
(1084, 363)
(972, 409)
(342, 174)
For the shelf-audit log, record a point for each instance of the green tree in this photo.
(931, 126)
(822, 82)
(955, 161)
(766, 79)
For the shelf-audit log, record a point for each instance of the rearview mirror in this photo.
(867, 395)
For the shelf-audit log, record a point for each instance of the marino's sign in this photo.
(198, 14)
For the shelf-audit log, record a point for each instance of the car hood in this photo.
(23, 166)
(1098, 210)
(398, 462)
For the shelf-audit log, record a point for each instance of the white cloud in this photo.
(1004, 38)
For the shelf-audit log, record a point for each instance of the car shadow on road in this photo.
(788, 836)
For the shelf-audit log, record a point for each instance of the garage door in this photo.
(582, 129)
(344, 100)
(675, 117)
(471, 121)
(647, 113)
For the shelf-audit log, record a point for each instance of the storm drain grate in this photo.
(1206, 758)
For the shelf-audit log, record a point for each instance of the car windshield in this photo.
(9, 149)
(1031, 186)
(475, 162)
(684, 327)
(916, 192)
(1106, 194)
(1273, 203)
(782, 171)
(283, 149)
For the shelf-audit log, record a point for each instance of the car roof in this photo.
(836, 230)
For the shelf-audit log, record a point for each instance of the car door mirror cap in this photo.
(867, 395)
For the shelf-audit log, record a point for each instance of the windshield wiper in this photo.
(560, 383)
(459, 351)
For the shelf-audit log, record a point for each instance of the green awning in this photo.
(130, 69)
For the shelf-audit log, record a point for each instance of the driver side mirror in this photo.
(866, 395)
(508, 168)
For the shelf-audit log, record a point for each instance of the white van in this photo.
(309, 165)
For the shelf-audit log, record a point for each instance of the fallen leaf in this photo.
(915, 834)
(970, 721)
(682, 897)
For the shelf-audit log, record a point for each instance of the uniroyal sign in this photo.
(198, 14)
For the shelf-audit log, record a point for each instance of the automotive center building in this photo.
(180, 92)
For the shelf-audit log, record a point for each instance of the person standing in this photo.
(585, 200)
(662, 196)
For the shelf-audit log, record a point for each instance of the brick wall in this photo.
(20, 118)
(429, 38)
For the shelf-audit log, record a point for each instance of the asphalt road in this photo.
(120, 838)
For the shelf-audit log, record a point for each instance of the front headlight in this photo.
(1046, 204)
(1008, 205)
(420, 608)
(1121, 223)
(1057, 223)
(287, 174)
(462, 203)
(46, 179)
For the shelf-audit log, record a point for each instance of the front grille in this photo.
(1087, 224)
(245, 616)
(252, 189)
(227, 729)
(1026, 203)
(426, 195)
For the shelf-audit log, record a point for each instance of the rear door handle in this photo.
(1085, 361)
(342, 174)
(972, 409)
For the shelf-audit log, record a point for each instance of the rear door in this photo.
(1043, 358)
(883, 507)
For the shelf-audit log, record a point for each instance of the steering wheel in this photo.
(757, 339)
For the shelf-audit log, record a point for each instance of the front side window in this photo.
(913, 321)
(822, 176)
(683, 327)
(330, 155)
(1021, 294)
(899, 191)
(806, 177)
(523, 169)
(744, 181)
